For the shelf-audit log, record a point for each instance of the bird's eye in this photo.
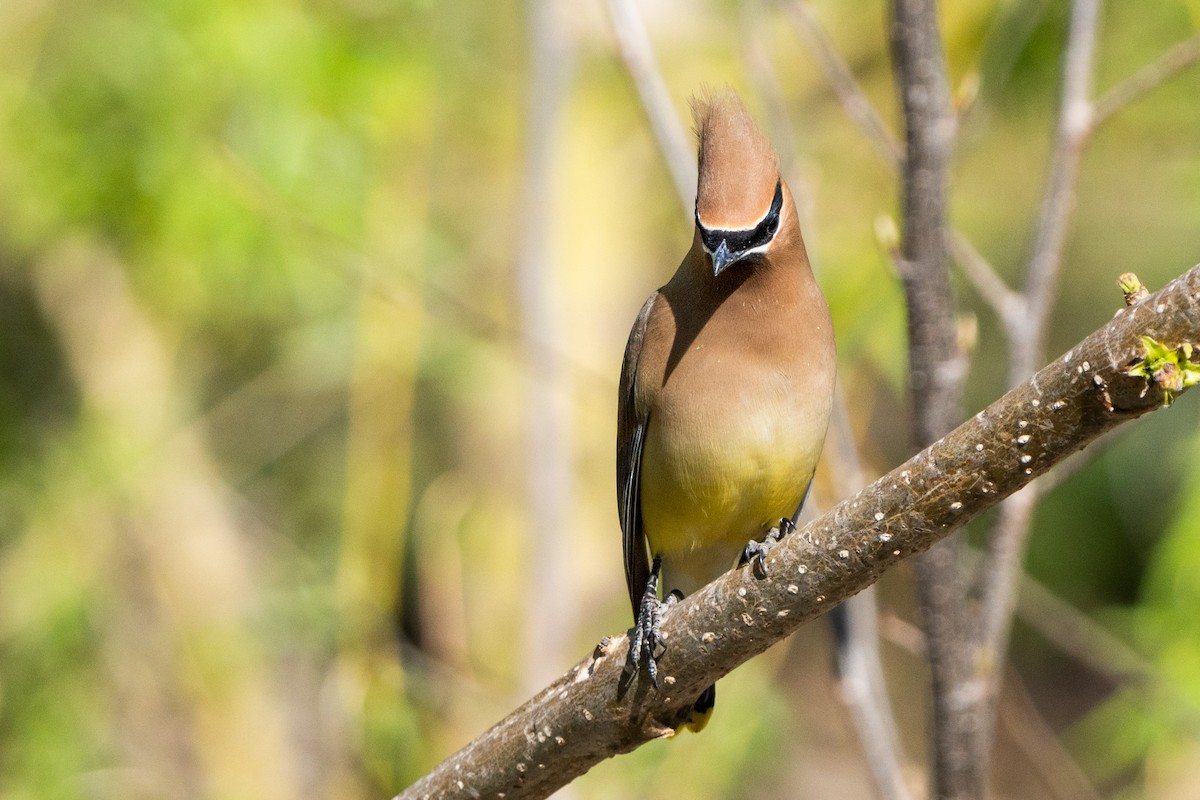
(739, 241)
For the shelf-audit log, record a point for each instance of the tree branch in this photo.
(547, 421)
(999, 577)
(1074, 122)
(1042, 747)
(936, 365)
(860, 667)
(591, 713)
(843, 83)
(1168, 65)
(1009, 306)
(861, 671)
(997, 581)
(936, 373)
(634, 44)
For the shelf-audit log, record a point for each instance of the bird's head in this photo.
(739, 195)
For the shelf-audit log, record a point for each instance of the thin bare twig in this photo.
(634, 44)
(1074, 121)
(865, 692)
(843, 83)
(1007, 304)
(1077, 634)
(859, 663)
(1157, 72)
(1102, 651)
(549, 623)
(998, 578)
(1004, 301)
(1042, 747)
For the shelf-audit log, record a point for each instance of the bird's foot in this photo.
(648, 644)
(755, 552)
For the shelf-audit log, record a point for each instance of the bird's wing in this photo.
(631, 436)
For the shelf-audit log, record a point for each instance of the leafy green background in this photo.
(263, 514)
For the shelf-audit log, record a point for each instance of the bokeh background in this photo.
(312, 312)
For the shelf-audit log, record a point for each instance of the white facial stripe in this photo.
(762, 248)
(736, 230)
(742, 242)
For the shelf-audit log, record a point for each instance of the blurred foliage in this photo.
(261, 446)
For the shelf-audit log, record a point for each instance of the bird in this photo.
(725, 389)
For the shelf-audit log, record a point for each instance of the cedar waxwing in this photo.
(725, 389)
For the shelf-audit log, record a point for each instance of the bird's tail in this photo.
(701, 710)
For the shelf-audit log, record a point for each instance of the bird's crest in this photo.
(738, 166)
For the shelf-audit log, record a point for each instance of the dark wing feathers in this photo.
(631, 436)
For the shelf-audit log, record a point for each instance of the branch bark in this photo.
(590, 713)
(936, 366)
(936, 373)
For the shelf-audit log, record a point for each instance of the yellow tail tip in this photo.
(696, 722)
(701, 712)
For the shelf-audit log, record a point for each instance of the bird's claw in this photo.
(755, 552)
(648, 644)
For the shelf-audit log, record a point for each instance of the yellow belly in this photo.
(708, 489)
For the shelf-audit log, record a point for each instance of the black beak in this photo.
(722, 258)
